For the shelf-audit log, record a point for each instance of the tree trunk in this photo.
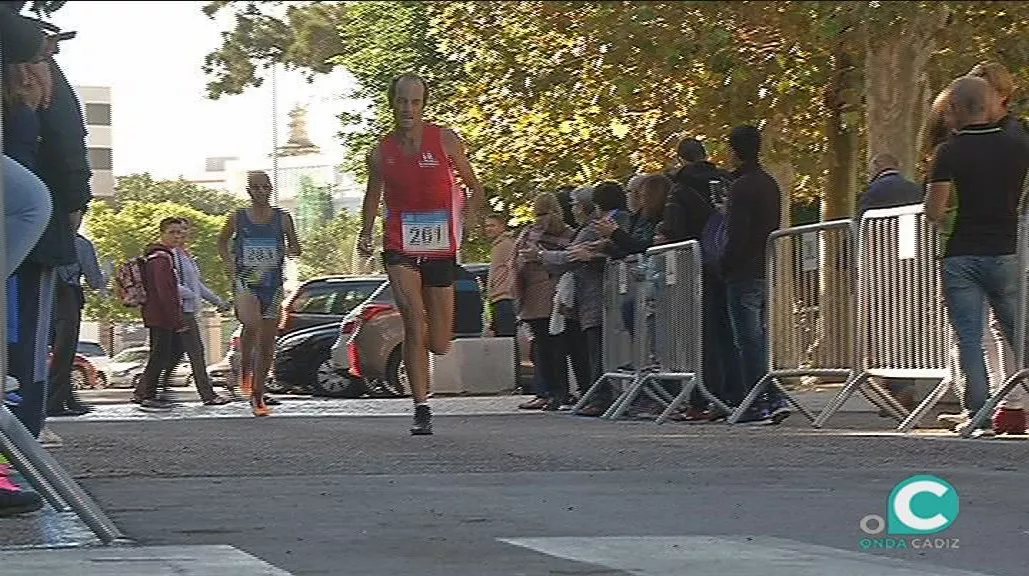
(895, 75)
(833, 344)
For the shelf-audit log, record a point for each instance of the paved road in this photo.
(542, 494)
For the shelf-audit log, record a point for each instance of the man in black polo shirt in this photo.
(975, 183)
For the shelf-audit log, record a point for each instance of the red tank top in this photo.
(423, 202)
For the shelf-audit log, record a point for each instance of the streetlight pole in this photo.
(275, 137)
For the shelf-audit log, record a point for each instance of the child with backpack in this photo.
(151, 283)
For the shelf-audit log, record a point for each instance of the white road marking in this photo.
(726, 556)
(133, 561)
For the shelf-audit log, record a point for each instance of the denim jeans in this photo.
(748, 304)
(721, 354)
(968, 283)
(27, 209)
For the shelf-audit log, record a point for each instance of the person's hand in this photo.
(529, 255)
(364, 245)
(606, 226)
(48, 48)
(580, 253)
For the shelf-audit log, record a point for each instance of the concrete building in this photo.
(96, 104)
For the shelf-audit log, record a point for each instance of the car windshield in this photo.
(130, 356)
(90, 349)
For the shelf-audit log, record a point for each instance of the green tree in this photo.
(332, 249)
(314, 205)
(145, 188)
(125, 232)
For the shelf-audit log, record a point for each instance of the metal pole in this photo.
(3, 266)
(275, 137)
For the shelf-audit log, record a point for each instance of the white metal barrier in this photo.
(810, 283)
(902, 326)
(669, 323)
(622, 355)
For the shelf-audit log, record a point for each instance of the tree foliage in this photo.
(144, 188)
(561, 91)
(124, 232)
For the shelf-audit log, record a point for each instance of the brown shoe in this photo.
(534, 404)
(593, 410)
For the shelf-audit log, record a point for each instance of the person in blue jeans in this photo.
(975, 184)
(753, 212)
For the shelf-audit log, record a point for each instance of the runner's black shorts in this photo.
(436, 272)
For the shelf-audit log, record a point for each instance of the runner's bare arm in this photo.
(372, 195)
(223, 244)
(454, 148)
(292, 243)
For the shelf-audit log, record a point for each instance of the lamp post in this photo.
(275, 137)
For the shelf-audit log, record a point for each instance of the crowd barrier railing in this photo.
(669, 322)
(902, 326)
(622, 355)
(810, 313)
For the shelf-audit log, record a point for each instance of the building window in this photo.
(101, 158)
(98, 114)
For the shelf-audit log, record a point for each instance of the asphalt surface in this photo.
(543, 494)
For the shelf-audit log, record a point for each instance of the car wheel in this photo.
(79, 379)
(332, 383)
(396, 374)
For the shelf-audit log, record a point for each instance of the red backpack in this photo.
(130, 279)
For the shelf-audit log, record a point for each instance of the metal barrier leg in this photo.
(930, 401)
(627, 398)
(750, 399)
(629, 391)
(882, 399)
(840, 399)
(589, 392)
(23, 449)
(689, 384)
(39, 483)
(986, 411)
(800, 408)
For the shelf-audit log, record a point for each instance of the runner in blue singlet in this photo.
(261, 237)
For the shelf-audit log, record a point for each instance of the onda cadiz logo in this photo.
(918, 506)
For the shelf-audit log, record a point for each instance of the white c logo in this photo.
(902, 505)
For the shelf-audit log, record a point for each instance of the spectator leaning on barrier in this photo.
(753, 214)
(976, 181)
(887, 187)
(498, 281)
(533, 287)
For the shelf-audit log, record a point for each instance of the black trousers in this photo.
(585, 347)
(551, 360)
(192, 344)
(67, 318)
(165, 351)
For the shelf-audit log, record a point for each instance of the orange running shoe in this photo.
(259, 408)
(246, 384)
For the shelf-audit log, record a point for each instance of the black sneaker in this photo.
(154, 405)
(422, 421)
(779, 411)
(14, 502)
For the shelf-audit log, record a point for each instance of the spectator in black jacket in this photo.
(753, 213)
(692, 197)
(61, 163)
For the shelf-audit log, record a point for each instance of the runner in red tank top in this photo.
(412, 169)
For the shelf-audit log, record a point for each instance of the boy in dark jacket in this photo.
(162, 313)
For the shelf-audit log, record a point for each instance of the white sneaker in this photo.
(49, 439)
(11, 384)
